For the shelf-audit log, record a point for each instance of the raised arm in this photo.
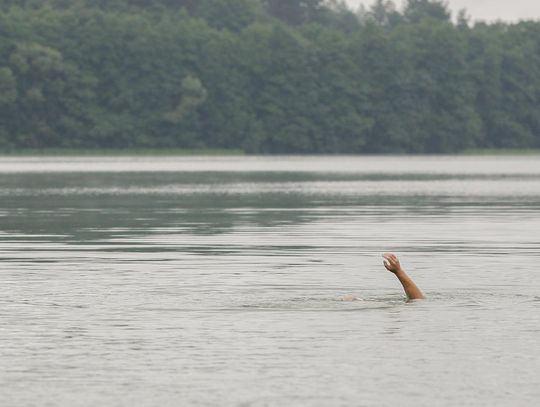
(392, 264)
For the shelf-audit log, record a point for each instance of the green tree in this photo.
(268, 76)
(384, 13)
(295, 11)
(231, 15)
(8, 87)
(50, 101)
(415, 10)
(8, 97)
(505, 65)
(193, 94)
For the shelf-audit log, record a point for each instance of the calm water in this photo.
(213, 281)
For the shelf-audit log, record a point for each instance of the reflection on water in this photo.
(194, 281)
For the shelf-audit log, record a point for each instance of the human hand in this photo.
(391, 263)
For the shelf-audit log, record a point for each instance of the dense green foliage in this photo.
(268, 76)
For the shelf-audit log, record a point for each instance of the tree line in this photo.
(265, 76)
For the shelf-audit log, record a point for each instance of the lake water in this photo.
(189, 281)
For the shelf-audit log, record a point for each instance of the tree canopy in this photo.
(265, 76)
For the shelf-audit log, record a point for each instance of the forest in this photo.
(265, 77)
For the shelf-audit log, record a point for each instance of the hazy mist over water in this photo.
(214, 281)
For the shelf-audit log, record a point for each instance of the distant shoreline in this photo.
(66, 152)
(501, 151)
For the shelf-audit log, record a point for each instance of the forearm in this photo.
(411, 289)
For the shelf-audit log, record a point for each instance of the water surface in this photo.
(213, 281)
